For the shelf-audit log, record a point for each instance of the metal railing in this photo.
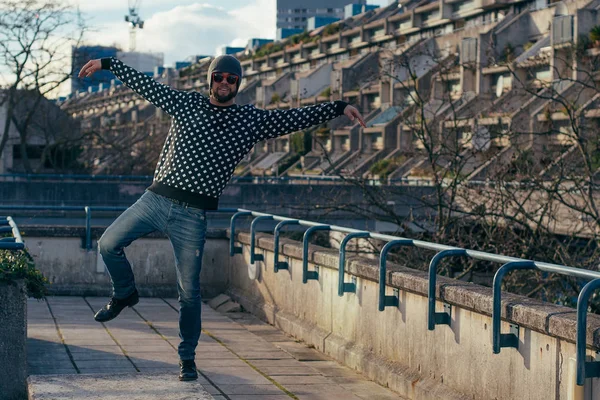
(585, 369)
(295, 179)
(7, 224)
(299, 179)
(88, 215)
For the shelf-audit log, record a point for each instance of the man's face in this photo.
(224, 86)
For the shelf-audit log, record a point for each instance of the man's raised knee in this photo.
(106, 246)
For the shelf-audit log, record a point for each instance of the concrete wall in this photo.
(395, 348)
(72, 270)
(364, 70)
(13, 339)
(316, 82)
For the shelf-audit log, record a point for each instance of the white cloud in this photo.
(197, 28)
(258, 17)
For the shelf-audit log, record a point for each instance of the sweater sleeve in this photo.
(275, 123)
(168, 99)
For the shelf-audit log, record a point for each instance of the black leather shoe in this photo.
(188, 370)
(115, 306)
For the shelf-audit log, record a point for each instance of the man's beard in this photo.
(223, 99)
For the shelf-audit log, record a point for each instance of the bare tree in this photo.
(35, 41)
(514, 173)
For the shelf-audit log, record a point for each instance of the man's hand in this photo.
(352, 113)
(89, 68)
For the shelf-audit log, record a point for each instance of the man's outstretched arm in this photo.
(168, 99)
(271, 124)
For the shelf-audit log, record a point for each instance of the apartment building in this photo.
(470, 70)
(293, 14)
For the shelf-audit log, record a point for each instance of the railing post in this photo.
(434, 318)
(233, 249)
(88, 227)
(509, 339)
(388, 301)
(306, 274)
(585, 369)
(277, 265)
(349, 287)
(255, 221)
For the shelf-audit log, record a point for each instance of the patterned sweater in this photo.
(205, 141)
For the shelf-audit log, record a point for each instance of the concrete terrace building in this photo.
(455, 51)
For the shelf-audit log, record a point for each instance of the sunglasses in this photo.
(231, 79)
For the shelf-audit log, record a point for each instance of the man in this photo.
(207, 139)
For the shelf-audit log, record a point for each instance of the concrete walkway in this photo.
(71, 356)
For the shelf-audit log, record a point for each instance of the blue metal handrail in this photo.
(388, 301)
(7, 224)
(233, 249)
(584, 370)
(277, 265)
(500, 340)
(439, 318)
(306, 274)
(349, 287)
(255, 221)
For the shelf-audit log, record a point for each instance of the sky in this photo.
(182, 28)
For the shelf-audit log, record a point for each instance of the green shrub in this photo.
(383, 168)
(287, 163)
(595, 33)
(16, 265)
(331, 29)
(300, 142)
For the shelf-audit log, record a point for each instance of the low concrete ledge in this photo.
(547, 318)
(59, 253)
(13, 339)
(394, 347)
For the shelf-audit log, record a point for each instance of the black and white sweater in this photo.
(205, 141)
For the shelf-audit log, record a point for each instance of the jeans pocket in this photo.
(196, 212)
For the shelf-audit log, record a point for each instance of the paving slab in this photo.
(115, 387)
(217, 301)
(71, 356)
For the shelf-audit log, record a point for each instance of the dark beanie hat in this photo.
(225, 63)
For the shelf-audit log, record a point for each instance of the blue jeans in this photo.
(186, 229)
